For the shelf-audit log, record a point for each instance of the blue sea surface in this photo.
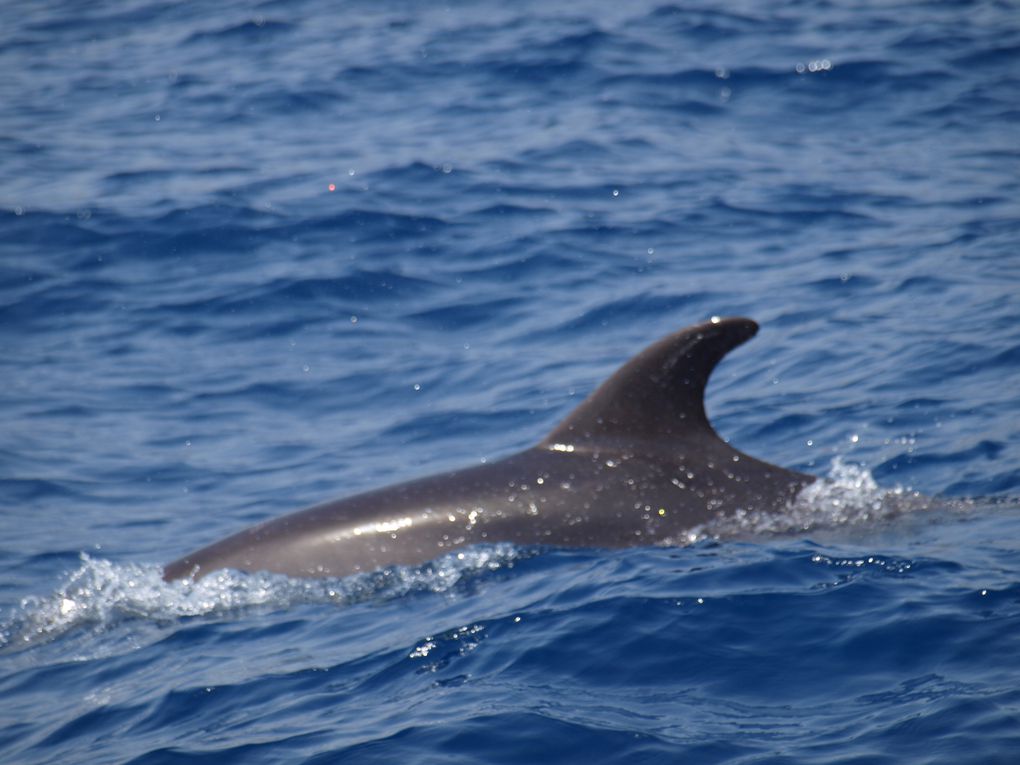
(256, 255)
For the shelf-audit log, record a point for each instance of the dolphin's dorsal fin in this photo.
(657, 394)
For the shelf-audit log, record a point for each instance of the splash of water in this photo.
(101, 594)
(847, 496)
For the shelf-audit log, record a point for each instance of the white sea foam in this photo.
(101, 594)
(847, 496)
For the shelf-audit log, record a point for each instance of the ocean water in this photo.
(258, 255)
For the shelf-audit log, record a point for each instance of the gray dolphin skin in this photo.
(636, 463)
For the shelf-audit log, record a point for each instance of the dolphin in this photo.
(636, 463)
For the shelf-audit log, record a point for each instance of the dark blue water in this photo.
(259, 255)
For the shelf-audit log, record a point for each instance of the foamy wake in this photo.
(101, 594)
(847, 496)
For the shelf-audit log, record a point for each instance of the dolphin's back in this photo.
(636, 463)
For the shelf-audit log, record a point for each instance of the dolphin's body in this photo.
(636, 463)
